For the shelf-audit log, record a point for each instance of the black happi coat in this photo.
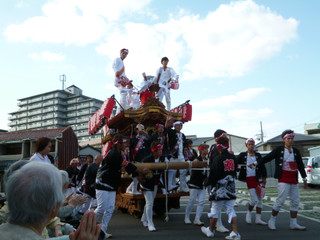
(148, 183)
(90, 177)
(173, 138)
(144, 150)
(221, 177)
(261, 171)
(213, 152)
(109, 173)
(197, 177)
(220, 168)
(277, 154)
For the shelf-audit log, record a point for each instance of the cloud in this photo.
(74, 22)
(232, 39)
(250, 114)
(241, 96)
(22, 4)
(227, 42)
(47, 56)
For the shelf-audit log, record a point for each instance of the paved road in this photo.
(125, 226)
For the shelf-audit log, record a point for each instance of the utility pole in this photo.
(261, 131)
(63, 79)
(260, 136)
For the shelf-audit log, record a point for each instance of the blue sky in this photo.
(240, 62)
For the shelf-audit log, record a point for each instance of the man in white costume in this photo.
(121, 81)
(163, 77)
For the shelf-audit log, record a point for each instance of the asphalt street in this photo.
(125, 226)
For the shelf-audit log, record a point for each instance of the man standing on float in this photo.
(121, 81)
(163, 77)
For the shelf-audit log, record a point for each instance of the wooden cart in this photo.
(134, 204)
(148, 114)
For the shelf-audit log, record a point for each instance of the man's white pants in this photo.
(215, 210)
(182, 175)
(219, 223)
(87, 205)
(148, 207)
(106, 204)
(199, 194)
(163, 92)
(285, 189)
(254, 198)
(124, 97)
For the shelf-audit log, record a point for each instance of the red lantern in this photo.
(174, 84)
(144, 96)
(92, 124)
(106, 108)
(104, 112)
(186, 111)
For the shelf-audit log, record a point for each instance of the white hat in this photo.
(178, 122)
(141, 126)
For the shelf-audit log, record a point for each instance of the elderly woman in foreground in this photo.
(34, 195)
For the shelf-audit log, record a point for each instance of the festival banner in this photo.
(98, 119)
(186, 111)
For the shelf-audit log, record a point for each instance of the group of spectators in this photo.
(35, 198)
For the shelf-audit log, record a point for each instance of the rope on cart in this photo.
(166, 186)
(190, 165)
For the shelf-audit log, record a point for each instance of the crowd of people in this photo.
(60, 203)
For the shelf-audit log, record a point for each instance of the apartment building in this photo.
(56, 109)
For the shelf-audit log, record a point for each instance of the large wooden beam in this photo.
(171, 165)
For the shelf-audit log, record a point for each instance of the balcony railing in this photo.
(48, 96)
(13, 123)
(47, 110)
(47, 123)
(59, 115)
(60, 102)
(22, 103)
(34, 119)
(22, 121)
(12, 117)
(34, 112)
(82, 127)
(39, 105)
(38, 99)
(97, 105)
(48, 103)
(83, 112)
(58, 108)
(47, 116)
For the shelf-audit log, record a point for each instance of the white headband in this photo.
(178, 122)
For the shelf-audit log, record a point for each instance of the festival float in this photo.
(149, 112)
